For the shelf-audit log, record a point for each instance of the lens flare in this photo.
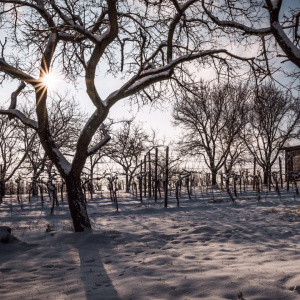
(50, 80)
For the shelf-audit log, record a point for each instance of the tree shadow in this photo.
(94, 276)
(64, 265)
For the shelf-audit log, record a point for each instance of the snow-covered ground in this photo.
(201, 250)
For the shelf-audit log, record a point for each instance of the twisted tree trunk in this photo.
(77, 204)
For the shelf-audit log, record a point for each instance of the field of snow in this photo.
(201, 250)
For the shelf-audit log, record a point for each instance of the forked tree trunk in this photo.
(77, 204)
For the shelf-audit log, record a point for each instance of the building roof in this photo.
(290, 148)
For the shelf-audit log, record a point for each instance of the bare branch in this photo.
(15, 73)
(102, 143)
(14, 95)
(14, 113)
(231, 24)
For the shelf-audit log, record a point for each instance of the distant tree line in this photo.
(223, 124)
(223, 121)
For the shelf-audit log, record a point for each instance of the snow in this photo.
(22, 117)
(148, 78)
(100, 38)
(64, 164)
(274, 3)
(200, 250)
(286, 40)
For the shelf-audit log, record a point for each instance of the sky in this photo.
(157, 119)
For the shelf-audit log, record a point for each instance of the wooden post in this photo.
(149, 175)
(254, 172)
(221, 174)
(141, 182)
(235, 178)
(280, 172)
(167, 177)
(269, 178)
(240, 182)
(288, 164)
(1, 185)
(155, 174)
(62, 190)
(145, 179)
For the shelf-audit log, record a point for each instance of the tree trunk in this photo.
(130, 181)
(267, 175)
(213, 177)
(77, 204)
(92, 172)
(127, 182)
(2, 187)
(34, 189)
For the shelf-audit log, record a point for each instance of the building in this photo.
(292, 159)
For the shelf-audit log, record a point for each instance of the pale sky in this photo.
(157, 119)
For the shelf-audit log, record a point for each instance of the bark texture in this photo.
(77, 204)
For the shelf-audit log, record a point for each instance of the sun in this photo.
(50, 80)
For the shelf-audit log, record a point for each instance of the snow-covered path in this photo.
(201, 250)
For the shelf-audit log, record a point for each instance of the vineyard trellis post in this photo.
(141, 182)
(2, 185)
(167, 176)
(145, 177)
(254, 172)
(62, 190)
(149, 175)
(240, 181)
(155, 174)
(280, 172)
(222, 183)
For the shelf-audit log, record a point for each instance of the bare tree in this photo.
(99, 156)
(14, 147)
(237, 156)
(146, 42)
(273, 23)
(65, 121)
(212, 116)
(96, 158)
(36, 161)
(274, 119)
(128, 144)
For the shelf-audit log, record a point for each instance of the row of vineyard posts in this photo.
(150, 184)
(152, 180)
